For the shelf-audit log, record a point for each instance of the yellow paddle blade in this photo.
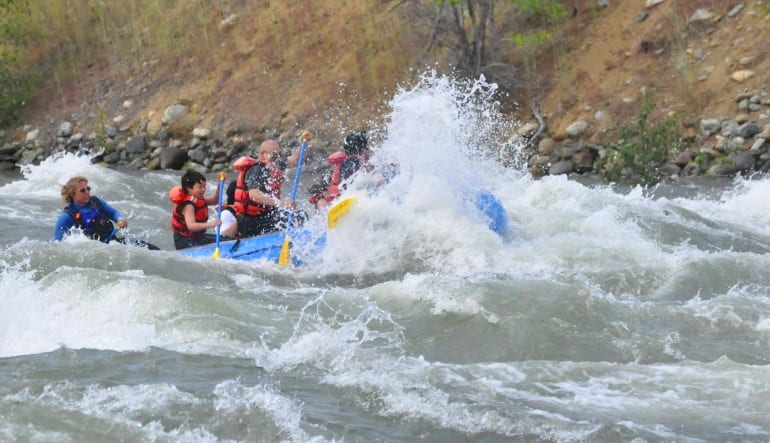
(283, 258)
(338, 210)
(215, 255)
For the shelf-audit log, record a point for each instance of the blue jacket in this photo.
(65, 221)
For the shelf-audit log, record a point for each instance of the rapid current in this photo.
(607, 313)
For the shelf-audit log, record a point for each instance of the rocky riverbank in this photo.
(717, 146)
(695, 57)
(121, 147)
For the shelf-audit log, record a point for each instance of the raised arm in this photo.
(213, 199)
(291, 161)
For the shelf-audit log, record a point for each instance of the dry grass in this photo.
(245, 66)
(75, 34)
(330, 65)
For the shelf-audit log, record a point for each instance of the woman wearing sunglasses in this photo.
(90, 214)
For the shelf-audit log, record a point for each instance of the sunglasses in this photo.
(84, 190)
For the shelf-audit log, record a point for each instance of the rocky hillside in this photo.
(275, 68)
(701, 59)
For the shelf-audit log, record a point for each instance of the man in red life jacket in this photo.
(258, 204)
(354, 156)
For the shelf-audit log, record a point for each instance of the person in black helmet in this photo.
(353, 157)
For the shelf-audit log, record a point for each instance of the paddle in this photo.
(122, 239)
(338, 210)
(138, 243)
(283, 258)
(215, 255)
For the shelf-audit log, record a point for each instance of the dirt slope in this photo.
(277, 66)
(686, 65)
(331, 66)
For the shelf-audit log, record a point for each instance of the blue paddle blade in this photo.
(492, 208)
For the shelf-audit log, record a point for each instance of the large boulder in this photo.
(135, 144)
(173, 158)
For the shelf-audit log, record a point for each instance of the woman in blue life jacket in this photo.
(353, 157)
(92, 215)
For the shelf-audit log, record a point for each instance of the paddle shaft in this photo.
(284, 255)
(134, 242)
(219, 205)
(296, 182)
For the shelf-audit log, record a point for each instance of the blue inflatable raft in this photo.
(268, 247)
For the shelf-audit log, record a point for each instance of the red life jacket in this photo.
(338, 159)
(179, 197)
(243, 203)
(333, 190)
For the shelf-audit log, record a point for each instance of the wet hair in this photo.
(355, 142)
(69, 188)
(231, 193)
(190, 178)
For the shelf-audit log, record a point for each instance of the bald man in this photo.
(258, 200)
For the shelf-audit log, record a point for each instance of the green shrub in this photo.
(532, 39)
(15, 89)
(102, 141)
(540, 12)
(644, 146)
(15, 84)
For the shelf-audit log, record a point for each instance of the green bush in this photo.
(644, 146)
(15, 89)
(540, 12)
(15, 84)
(102, 141)
(532, 39)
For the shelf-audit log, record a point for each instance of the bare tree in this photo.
(467, 21)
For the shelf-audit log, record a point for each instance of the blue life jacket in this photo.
(95, 224)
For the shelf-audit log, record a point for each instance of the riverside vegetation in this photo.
(635, 92)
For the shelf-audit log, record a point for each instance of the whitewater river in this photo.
(607, 314)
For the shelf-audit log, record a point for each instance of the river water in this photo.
(607, 314)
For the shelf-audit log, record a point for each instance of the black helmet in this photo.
(355, 142)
